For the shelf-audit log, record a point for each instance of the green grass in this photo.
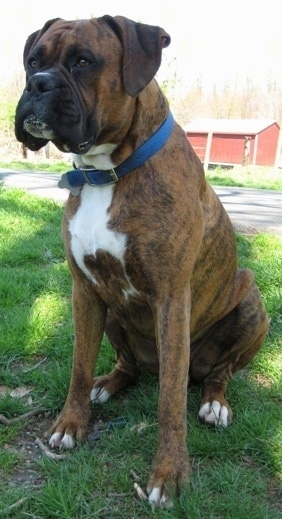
(50, 167)
(250, 176)
(236, 473)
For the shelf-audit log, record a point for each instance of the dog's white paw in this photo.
(157, 499)
(214, 414)
(99, 395)
(62, 441)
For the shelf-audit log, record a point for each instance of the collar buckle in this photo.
(84, 172)
(114, 176)
(87, 171)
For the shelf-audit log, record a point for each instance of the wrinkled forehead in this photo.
(63, 37)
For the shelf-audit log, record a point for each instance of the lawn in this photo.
(236, 473)
(250, 176)
(51, 166)
(240, 176)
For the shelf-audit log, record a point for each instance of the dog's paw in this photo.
(70, 428)
(107, 385)
(159, 499)
(99, 395)
(169, 477)
(63, 441)
(213, 413)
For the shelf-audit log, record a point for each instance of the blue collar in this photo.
(73, 180)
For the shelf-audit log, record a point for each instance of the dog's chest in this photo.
(97, 249)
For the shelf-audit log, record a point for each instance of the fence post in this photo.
(208, 151)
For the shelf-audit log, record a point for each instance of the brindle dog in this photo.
(152, 254)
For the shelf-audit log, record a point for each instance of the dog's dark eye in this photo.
(33, 63)
(82, 62)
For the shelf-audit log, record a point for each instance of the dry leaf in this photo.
(4, 390)
(19, 392)
(139, 427)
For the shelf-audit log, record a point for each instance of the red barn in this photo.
(235, 141)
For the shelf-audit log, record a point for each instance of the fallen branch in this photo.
(119, 494)
(140, 492)
(28, 370)
(134, 476)
(10, 421)
(139, 427)
(49, 454)
(12, 507)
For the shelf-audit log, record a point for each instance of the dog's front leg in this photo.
(171, 464)
(89, 313)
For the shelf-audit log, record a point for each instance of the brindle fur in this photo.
(193, 310)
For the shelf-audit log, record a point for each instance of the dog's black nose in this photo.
(42, 82)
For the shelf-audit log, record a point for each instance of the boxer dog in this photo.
(150, 247)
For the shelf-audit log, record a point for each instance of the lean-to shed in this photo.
(235, 141)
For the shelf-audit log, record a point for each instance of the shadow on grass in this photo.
(35, 286)
(235, 472)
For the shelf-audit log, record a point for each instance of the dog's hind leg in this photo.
(229, 346)
(125, 371)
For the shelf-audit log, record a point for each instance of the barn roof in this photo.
(233, 126)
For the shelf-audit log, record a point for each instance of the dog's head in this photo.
(82, 78)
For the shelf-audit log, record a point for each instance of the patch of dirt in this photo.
(263, 381)
(25, 472)
(275, 497)
(274, 489)
(27, 475)
(252, 231)
(246, 230)
(27, 452)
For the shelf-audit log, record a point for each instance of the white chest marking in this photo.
(89, 230)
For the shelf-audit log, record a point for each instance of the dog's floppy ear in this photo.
(35, 36)
(142, 51)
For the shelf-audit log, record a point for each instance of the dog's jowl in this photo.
(150, 247)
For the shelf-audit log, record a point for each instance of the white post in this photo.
(278, 150)
(208, 151)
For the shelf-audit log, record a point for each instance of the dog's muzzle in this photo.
(37, 86)
(48, 111)
(42, 82)
(38, 128)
